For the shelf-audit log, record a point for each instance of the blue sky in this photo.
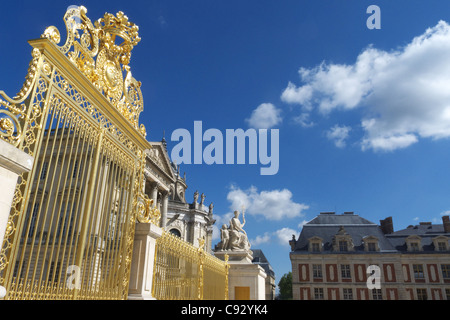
(363, 115)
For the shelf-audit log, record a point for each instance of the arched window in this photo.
(175, 232)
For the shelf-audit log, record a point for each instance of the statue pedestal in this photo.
(235, 257)
(246, 281)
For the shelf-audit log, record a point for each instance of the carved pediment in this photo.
(159, 161)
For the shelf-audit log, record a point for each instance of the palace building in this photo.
(331, 259)
(164, 184)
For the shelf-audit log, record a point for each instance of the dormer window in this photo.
(315, 244)
(315, 247)
(413, 243)
(343, 246)
(371, 244)
(442, 246)
(342, 241)
(441, 243)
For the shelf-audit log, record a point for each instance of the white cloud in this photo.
(303, 120)
(260, 239)
(301, 95)
(265, 116)
(338, 135)
(285, 234)
(404, 93)
(281, 236)
(301, 224)
(272, 205)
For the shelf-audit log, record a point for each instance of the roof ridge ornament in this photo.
(102, 52)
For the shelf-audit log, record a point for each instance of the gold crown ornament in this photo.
(102, 52)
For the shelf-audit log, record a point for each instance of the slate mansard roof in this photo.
(426, 231)
(326, 225)
(260, 258)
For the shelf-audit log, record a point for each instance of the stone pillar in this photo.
(155, 193)
(246, 280)
(165, 203)
(13, 162)
(142, 263)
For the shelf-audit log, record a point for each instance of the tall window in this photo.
(345, 271)
(371, 246)
(315, 247)
(442, 246)
(75, 169)
(318, 293)
(317, 271)
(422, 294)
(445, 271)
(44, 170)
(418, 271)
(376, 294)
(414, 246)
(343, 247)
(447, 294)
(65, 224)
(54, 271)
(348, 294)
(32, 223)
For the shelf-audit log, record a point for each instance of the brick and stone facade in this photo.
(330, 260)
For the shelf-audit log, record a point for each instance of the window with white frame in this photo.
(441, 243)
(315, 244)
(445, 268)
(418, 271)
(342, 241)
(371, 244)
(318, 294)
(377, 294)
(345, 271)
(422, 294)
(315, 247)
(317, 271)
(343, 246)
(413, 243)
(347, 293)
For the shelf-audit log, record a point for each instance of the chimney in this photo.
(387, 225)
(446, 223)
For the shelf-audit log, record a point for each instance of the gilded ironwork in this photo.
(102, 60)
(73, 216)
(185, 272)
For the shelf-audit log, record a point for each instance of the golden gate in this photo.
(73, 215)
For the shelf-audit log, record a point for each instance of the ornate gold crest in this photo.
(103, 52)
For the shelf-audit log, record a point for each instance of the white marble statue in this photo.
(234, 237)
